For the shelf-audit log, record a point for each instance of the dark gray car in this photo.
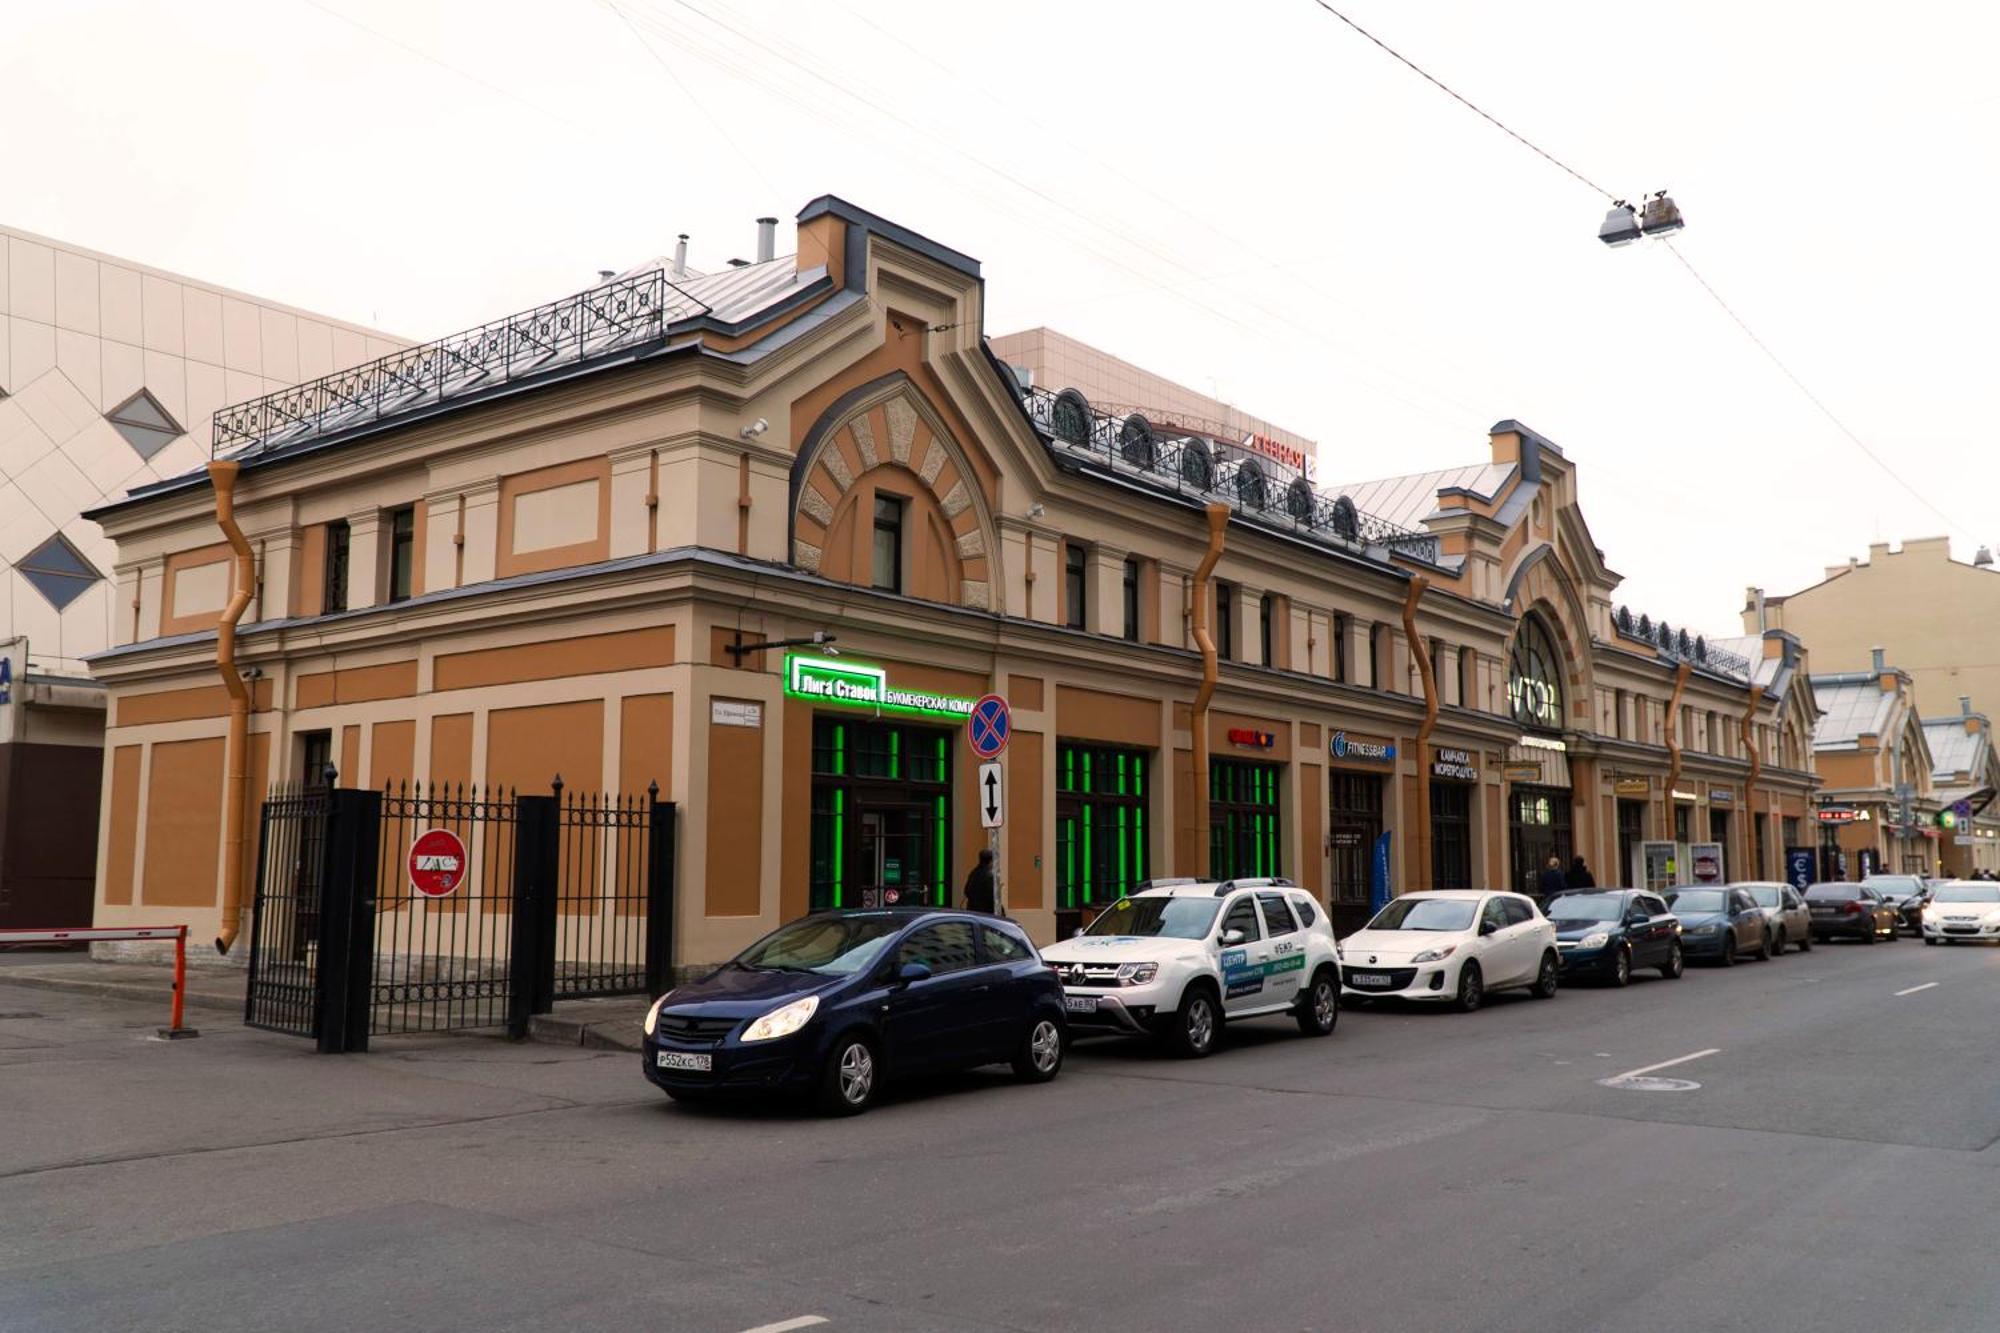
(1791, 923)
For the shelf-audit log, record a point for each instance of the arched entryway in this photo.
(1538, 787)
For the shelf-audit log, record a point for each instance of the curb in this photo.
(114, 990)
(620, 1036)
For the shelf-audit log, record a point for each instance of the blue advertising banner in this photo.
(1378, 874)
(1801, 867)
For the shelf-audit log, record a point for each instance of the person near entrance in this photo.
(1579, 876)
(1553, 880)
(979, 884)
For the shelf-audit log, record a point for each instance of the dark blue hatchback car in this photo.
(834, 1004)
(1605, 933)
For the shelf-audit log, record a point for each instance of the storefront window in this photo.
(1682, 817)
(1101, 801)
(881, 814)
(1451, 835)
(1243, 819)
(1631, 832)
(1718, 831)
(1534, 679)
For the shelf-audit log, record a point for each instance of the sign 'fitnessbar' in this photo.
(854, 685)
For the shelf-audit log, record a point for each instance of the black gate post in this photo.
(344, 984)
(257, 911)
(531, 971)
(659, 895)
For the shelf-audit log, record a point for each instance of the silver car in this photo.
(1790, 922)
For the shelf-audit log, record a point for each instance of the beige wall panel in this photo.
(124, 823)
(528, 748)
(135, 710)
(556, 516)
(512, 558)
(355, 685)
(1025, 879)
(1097, 715)
(735, 800)
(392, 753)
(586, 654)
(350, 758)
(646, 744)
(184, 823)
(451, 750)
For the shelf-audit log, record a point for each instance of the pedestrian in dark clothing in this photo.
(1579, 875)
(979, 884)
(1553, 880)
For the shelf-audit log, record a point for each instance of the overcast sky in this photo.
(1249, 198)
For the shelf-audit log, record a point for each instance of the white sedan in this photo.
(1963, 909)
(1453, 946)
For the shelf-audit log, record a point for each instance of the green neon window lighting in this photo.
(1086, 852)
(839, 847)
(839, 748)
(943, 834)
(895, 754)
(1124, 852)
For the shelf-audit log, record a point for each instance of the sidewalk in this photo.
(208, 988)
(604, 1025)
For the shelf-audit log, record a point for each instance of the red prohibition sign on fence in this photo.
(437, 862)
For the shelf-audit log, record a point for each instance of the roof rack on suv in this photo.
(1229, 886)
(1173, 882)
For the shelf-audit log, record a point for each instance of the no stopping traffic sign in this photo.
(989, 726)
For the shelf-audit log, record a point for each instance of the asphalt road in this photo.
(1835, 1169)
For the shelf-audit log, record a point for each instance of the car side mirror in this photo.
(1231, 938)
(1637, 919)
(1488, 928)
(910, 972)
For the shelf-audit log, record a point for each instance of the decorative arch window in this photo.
(1534, 678)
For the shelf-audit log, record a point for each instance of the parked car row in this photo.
(834, 1005)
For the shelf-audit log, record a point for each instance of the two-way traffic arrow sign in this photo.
(992, 799)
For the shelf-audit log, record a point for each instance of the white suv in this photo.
(1181, 957)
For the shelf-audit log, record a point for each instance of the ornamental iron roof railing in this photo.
(614, 317)
(1129, 446)
(1677, 645)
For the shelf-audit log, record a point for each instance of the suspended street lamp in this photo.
(1625, 224)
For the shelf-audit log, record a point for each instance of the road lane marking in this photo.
(787, 1325)
(1914, 989)
(1665, 1064)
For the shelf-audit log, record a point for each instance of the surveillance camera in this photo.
(756, 428)
(830, 650)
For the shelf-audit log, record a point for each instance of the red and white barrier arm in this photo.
(178, 934)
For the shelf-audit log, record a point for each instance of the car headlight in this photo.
(1710, 929)
(653, 1014)
(783, 1022)
(1993, 918)
(1596, 941)
(1436, 955)
(1137, 974)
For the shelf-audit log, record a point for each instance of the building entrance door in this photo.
(895, 856)
(1538, 828)
(1631, 832)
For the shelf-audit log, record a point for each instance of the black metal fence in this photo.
(550, 897)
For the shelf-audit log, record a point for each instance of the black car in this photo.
(833, 1005)
(1605, 933)
(1851, 911)
(1909, 894)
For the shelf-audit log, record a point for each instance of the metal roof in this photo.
(1407, 501)
(1955, 749)
(1851, 706)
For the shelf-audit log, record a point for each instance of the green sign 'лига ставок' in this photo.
(859, 686)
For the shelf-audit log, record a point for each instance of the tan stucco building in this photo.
(1938, 618)
(560, 544)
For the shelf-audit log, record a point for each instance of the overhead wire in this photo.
(1811, 397)
(693, 101)
(1111, 233)
(1762, 346)
(1468, 103)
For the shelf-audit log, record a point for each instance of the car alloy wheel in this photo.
(1039, 1056)
(1778, 944)
(1547, 978)
(1471, 988)
(857, 1074)
(1199, 1024)
(1320, 1008)
(1728, 958)
(1621, 968)
(1676, 963)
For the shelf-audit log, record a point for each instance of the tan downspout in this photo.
(1681, 674)
(234, 759)
(1218, 523)
(1747, 728)
(1420, 839)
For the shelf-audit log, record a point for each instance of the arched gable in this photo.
(1541, 587)
(885, 437)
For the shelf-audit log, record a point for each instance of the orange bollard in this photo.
(176, 1032)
